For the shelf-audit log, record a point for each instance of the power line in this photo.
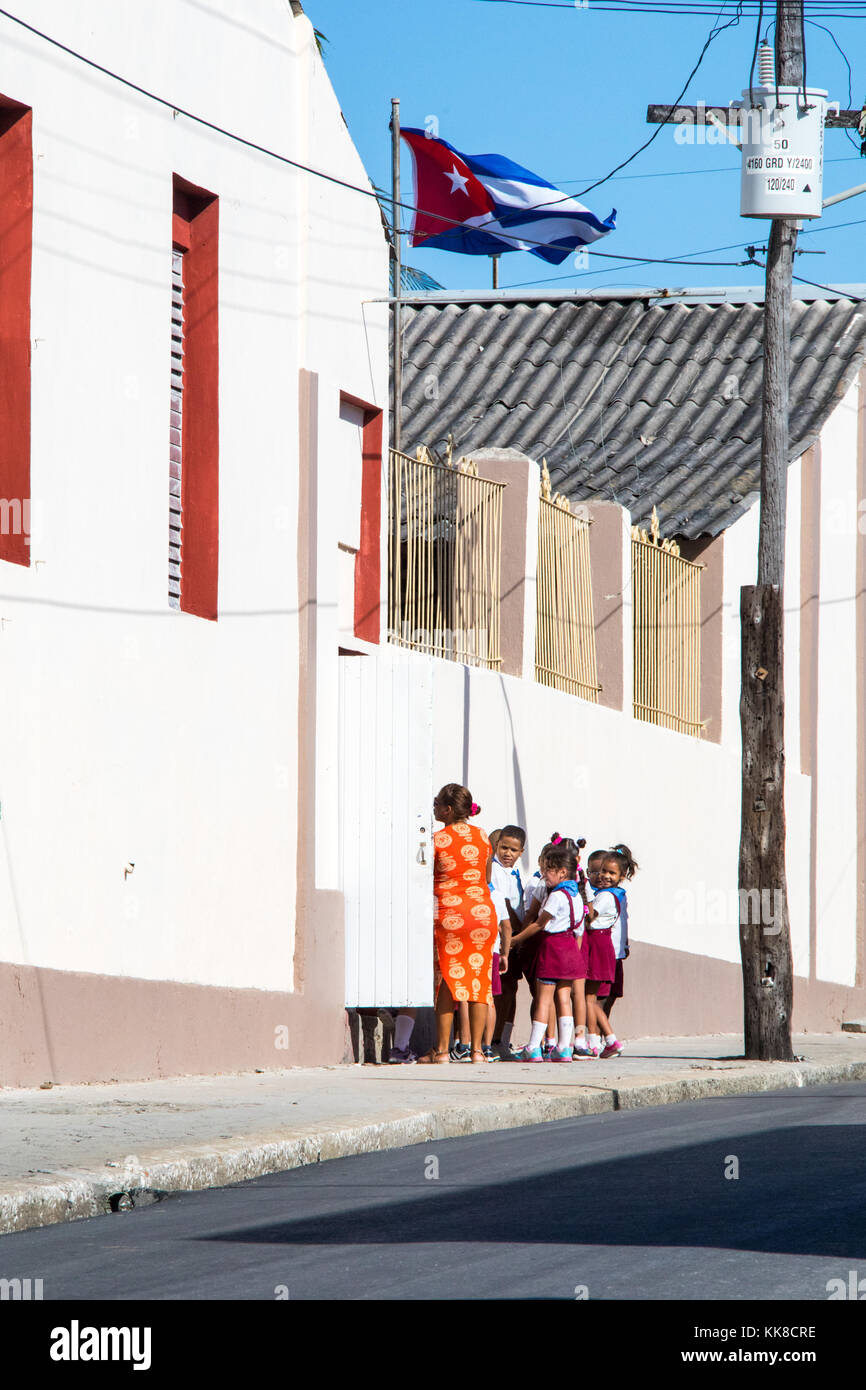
(180, 111)
(683, 6)
(755, 53)
(242, 140)
(683, 173)
(684, 259)
(855, 298)
(848, 66)
(688, 9)
(654, 260)
(714, 33)
(837, 227)
(379, 194)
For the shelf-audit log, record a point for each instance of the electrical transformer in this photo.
(782, 135)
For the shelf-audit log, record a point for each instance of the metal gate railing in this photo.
(667, 633)
(564, 630)
(444, 553)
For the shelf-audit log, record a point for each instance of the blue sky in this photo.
(564, 92)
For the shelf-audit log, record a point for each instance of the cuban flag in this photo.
(494, 205)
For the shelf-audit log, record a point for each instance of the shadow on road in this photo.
(800, 1191)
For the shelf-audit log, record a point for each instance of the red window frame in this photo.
(368, 561)
(195, 231)
(16, 254)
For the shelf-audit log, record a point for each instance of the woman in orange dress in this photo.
(464, 923)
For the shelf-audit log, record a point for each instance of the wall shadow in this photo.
(801, 1190)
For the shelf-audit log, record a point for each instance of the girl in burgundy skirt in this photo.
(603, 913)
(619, 931)
(561, 954)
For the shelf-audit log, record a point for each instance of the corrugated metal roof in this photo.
(643, 402)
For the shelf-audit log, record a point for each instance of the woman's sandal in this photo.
(435, 1058)
(477, 1055)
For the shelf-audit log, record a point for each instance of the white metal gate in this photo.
(386, 797)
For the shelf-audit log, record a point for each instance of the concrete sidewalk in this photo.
(65, 1153)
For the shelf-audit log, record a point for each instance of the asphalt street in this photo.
(757, 1197)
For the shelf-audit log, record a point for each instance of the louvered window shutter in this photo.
(176, 435)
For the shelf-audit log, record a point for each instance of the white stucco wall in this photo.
(129, 732)
(837, 721)
(550, 761)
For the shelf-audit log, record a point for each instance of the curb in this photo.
(76, 1194)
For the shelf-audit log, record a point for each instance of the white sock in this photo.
(403, 1027)
(609, 1038)
(593, 1040)
(506, 1034)
(538, 1032)
(566, 1031)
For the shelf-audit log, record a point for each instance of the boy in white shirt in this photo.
(507, 881)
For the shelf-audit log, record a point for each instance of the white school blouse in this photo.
(557, 906)
(534, 888)
(606, 906)
(619, 932)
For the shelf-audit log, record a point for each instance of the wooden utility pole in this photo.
(765, 941)
(765, 936)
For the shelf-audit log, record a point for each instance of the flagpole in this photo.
(495, 260)
(397, 330)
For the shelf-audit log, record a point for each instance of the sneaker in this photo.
(531, 1054)
(583, 1054)
(612, 1050)
(461, 1052)
(491, 1054)
(402, 1054)
(561, 1054)
(506, 1052)
(547, 1050)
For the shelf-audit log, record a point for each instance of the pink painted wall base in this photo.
(67, 1027)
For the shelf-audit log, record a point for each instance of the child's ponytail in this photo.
(557, 839)
(561, 856)
(628, 863)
